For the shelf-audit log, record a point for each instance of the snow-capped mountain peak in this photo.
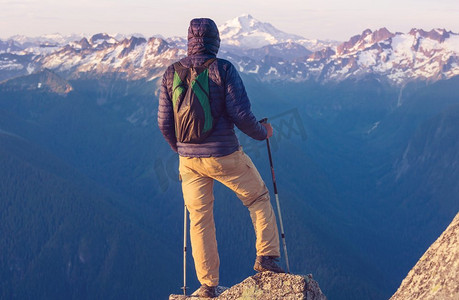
(400, 57)
(365, 40)
(132, 58)
(247, 32)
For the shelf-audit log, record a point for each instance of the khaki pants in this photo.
(237, 172)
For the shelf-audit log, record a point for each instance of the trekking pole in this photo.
(184, 249)
(277, 199)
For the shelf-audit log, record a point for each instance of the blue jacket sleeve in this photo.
(166, 114)
(238, 106)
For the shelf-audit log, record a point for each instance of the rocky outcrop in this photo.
(436, 274)
(270, 286)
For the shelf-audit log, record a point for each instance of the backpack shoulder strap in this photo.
(178, 66)
(208, 62)
(181, 71)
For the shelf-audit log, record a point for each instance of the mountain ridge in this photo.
(256, 48)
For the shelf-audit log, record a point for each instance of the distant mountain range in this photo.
(255, 47)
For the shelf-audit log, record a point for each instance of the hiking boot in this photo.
(267, 263)
(206, 291)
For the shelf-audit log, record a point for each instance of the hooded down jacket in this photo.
(229, 101)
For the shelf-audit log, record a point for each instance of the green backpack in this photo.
(191, 102)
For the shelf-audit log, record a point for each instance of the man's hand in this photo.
(269, 128)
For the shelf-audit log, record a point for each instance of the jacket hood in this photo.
(203, 37)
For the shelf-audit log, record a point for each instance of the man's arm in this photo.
(166, 115)
(238, 106)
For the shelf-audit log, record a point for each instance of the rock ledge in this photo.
(270, 286)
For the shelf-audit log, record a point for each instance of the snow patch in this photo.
(30, 69)
(272, 70)
(402, 46)
(343, 70)
(367, 58)
(10, 65)
(257, 68)
(452, 43)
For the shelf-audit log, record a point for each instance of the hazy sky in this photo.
(323, 19)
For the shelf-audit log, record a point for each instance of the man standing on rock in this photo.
(218, 157)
